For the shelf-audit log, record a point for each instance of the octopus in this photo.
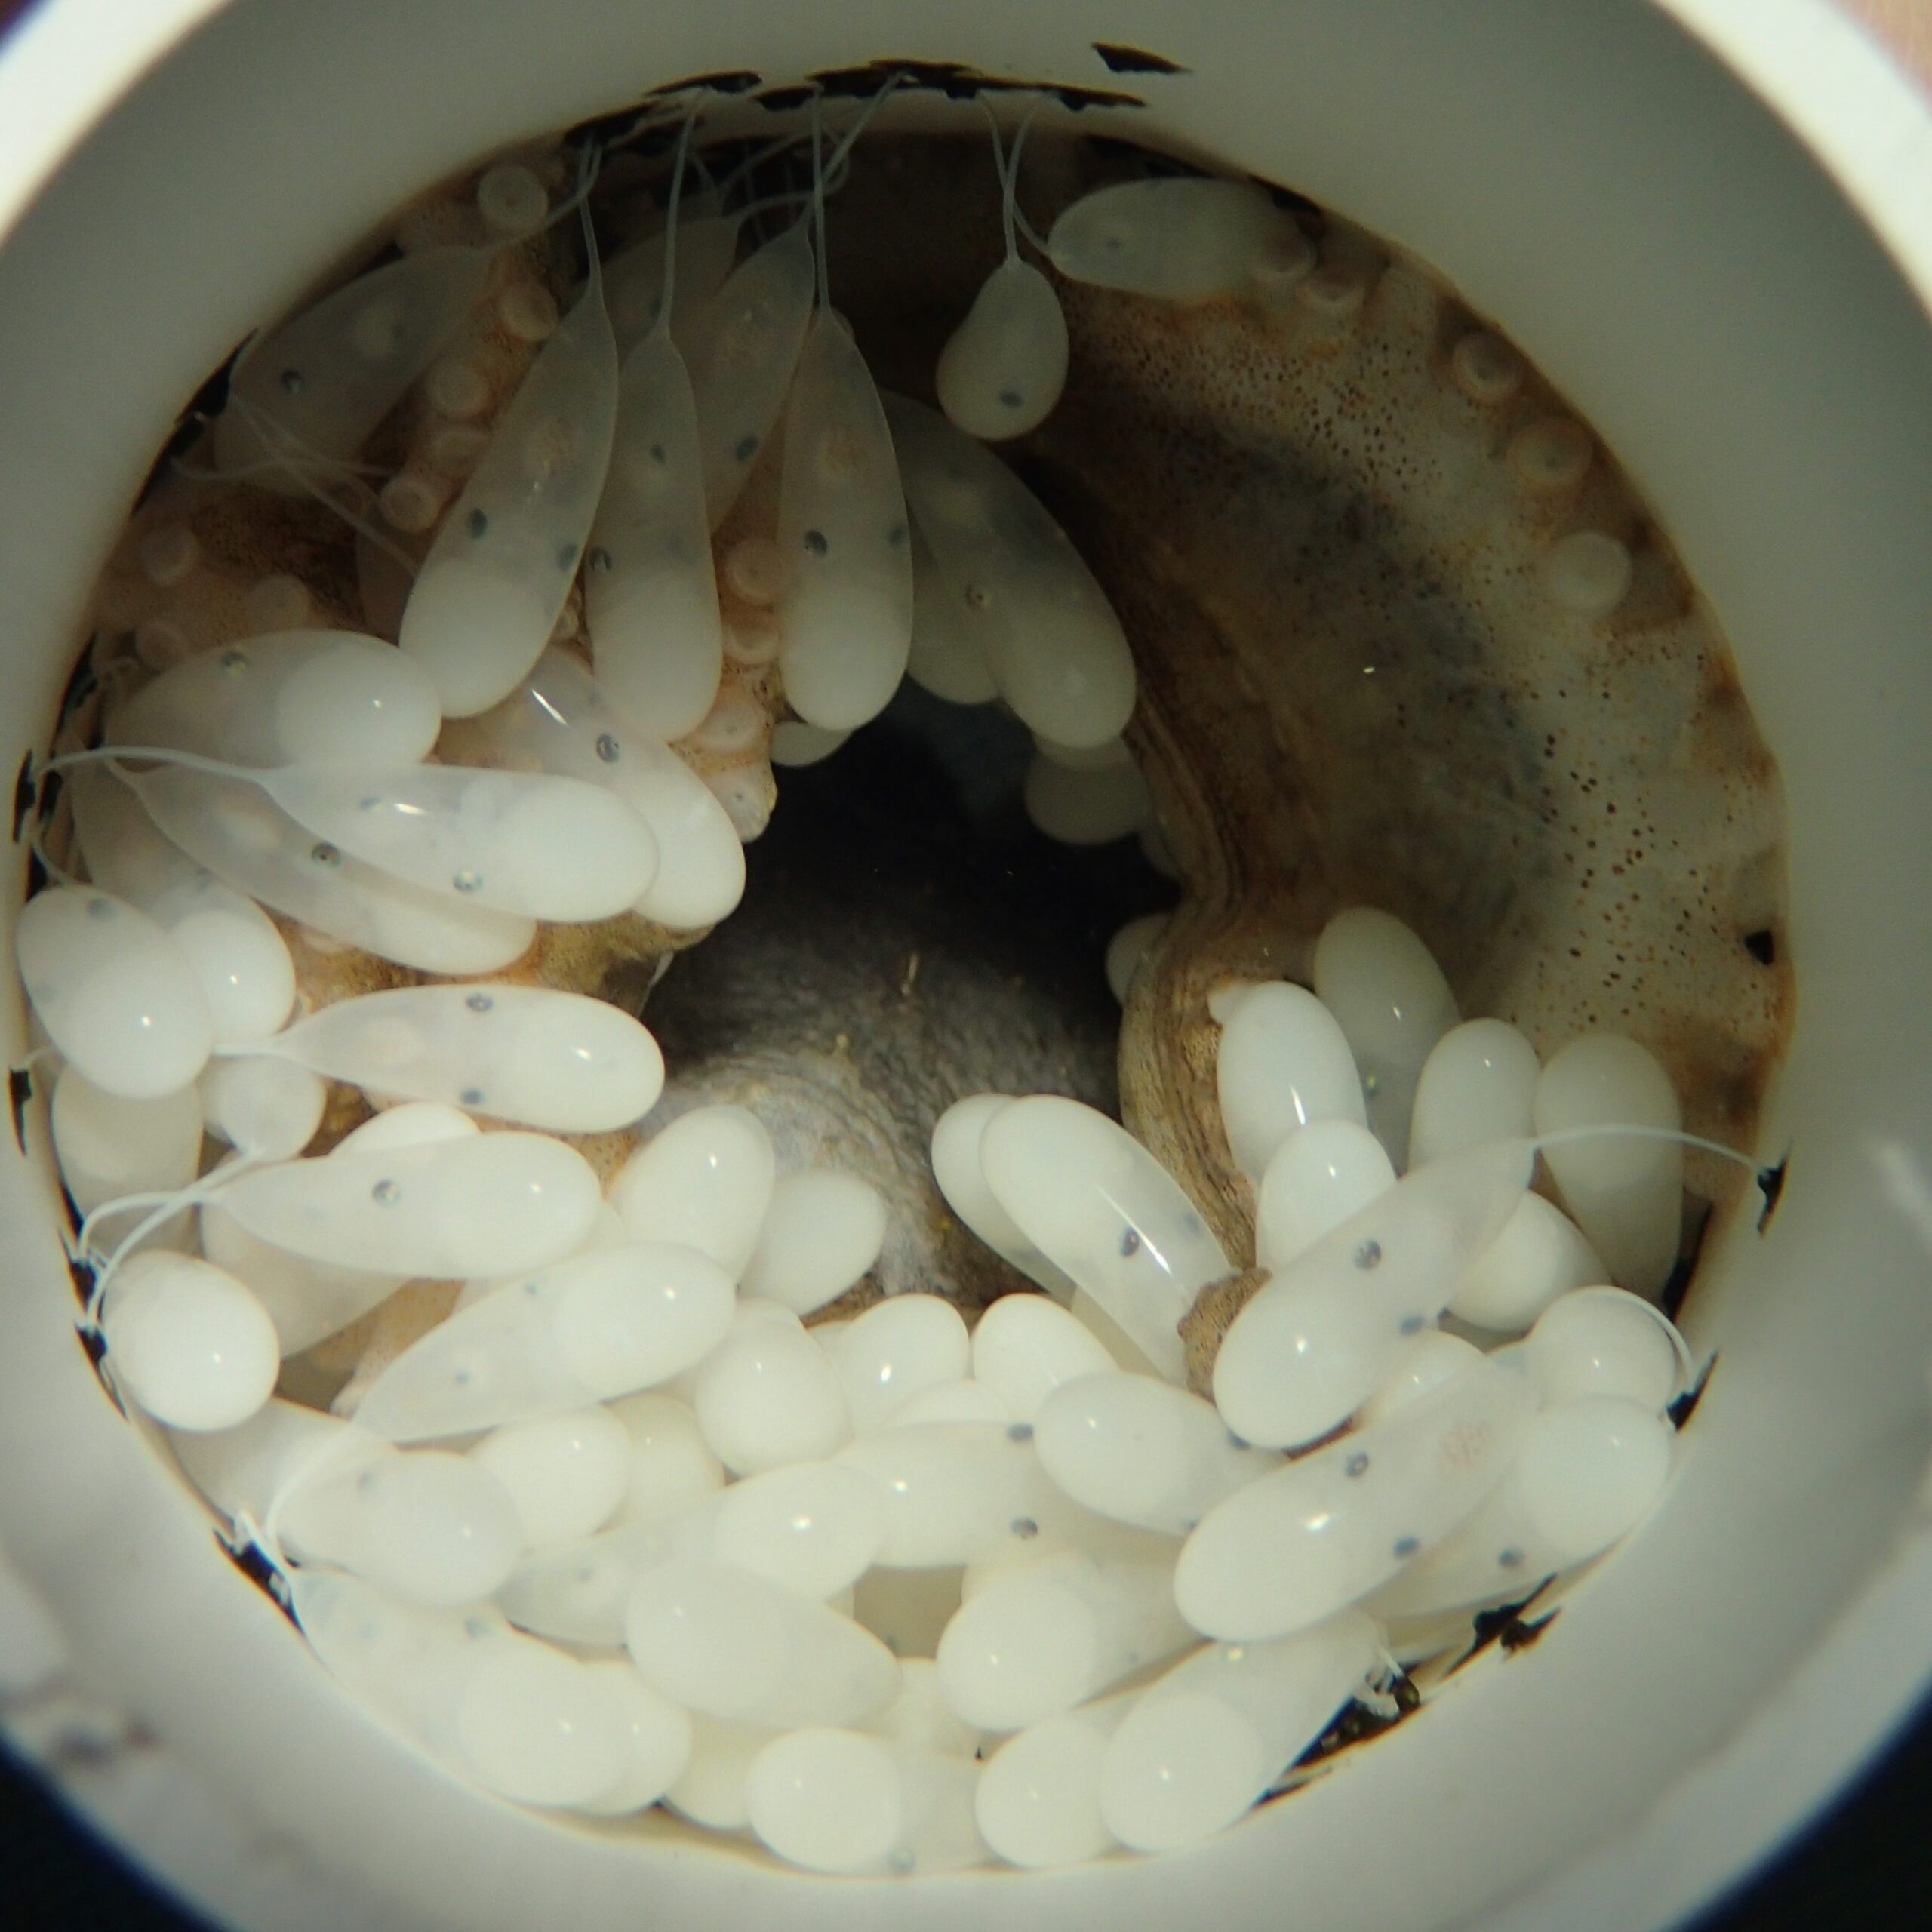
(1405, 634)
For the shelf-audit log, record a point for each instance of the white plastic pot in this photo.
(1711, 223)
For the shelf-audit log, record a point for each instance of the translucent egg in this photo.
(521, 842)
(435, 1528)
(1140, 1450)
(706, 1180)
(1025, 1346)
(244, 1471)
(650, 595)
(821, 1232)
(1327, 1329)
(560, 1061)
(960, 1400)
(1605, 1342)
(497, 1203)
(565, 1473)
(660, 1739)
(243, 963)
(1002, 370)
(947, 656)
(1122, 1349)
(1039, 1804)
(233, 829)
(1281, 1062)
(767, 1396)
(409, 1123)
(108, 1146)
(1590, 1470)
(1626, 1194)
(1587, 1472)
(728, 1643)
(826, 1800)
(672, 1466)
(894, 1349)
(961, 1178)
(1432, 1358)
(1038, 1637)
(1478, 1084)
(958, 1492)
(634, 280)
(846, 610)
(1206, 1742)
(918, 1718)
(540, 1727)
(1320, 1175)
(266, 1109)
(1540, 1254)
(315, 386)
(1280, 1555)
(118, 997)
(1180, 238)
(710, 1790)
(1040, 620)
(488, 595)
(1388, 996)
(1092, 1198)
(306, 1300)
(577, 1593)
(1085, 807)
(599, 1324)
(814, 1525)
(409, 1665)
(124, 849)
(796, 745)
(941, 1832)
(1128, 947)
(744, 346)
(188, 1342)
(560, 719)
(292, 697)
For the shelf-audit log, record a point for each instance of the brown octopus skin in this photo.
(1353, 689)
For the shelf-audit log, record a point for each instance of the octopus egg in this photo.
(188, 1342)
(1602, 1341)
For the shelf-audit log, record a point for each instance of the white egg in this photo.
(565, 1473)
(1281, 1062)
(1625, 1191)
(822, 1231)
(767, 1396)
(895, 1349)
(117, 995)
(1384, 986)
(1038, 1803)
(1320, 1176)
(1025, 1346)
(1478, 1084)
(108, 1145)
(705, 1180)
(188, 1342)
(1601, 1341)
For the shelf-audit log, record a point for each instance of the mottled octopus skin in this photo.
(1353, 690)
(1578, 815)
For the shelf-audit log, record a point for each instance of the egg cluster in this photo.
(894, 1595)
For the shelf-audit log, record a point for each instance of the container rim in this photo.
(65, 65)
